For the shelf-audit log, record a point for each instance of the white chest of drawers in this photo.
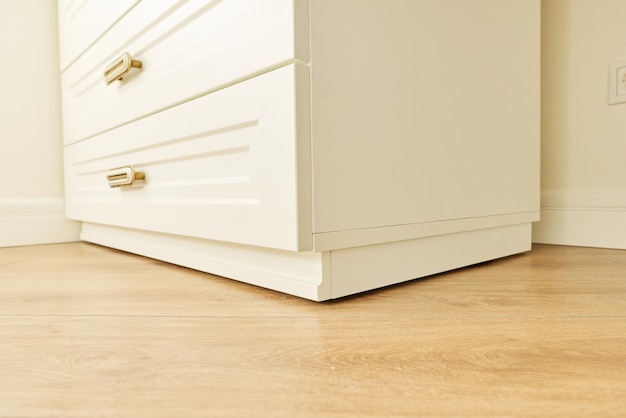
(319, 148)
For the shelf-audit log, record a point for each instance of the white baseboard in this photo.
(586, 219)
(35, 221)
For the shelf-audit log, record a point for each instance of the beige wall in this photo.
(583, 138)
(30, 131)
(31, 173)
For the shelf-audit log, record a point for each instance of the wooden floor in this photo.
(87, 331)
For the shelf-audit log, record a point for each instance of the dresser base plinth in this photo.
(320, 275)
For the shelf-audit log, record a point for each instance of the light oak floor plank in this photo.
(87, 331)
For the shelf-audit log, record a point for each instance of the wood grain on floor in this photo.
(87, 331)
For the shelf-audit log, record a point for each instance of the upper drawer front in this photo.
(230, 166)
(82, 22)
(187, 48)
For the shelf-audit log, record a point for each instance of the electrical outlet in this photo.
(621, 81)
(617, 82)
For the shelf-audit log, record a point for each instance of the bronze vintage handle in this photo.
(124, 176)
(120, 67)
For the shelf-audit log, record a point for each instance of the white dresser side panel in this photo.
(423, 111)
(222, 167)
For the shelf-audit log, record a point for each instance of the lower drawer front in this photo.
(231, 166)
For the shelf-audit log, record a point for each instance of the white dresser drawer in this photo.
(231, 166)
(187, 49)
(82, 22)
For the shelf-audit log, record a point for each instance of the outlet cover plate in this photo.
(617, 82)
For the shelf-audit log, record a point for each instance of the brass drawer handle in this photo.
(120, 67)
(124, 176)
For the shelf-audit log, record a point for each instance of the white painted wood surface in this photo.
(584, 219)
(423, 111)
(324, 275)
(187, 48)
(82, 22)
(296, 273)
(35, 221)
(402, 148)
(230, 166)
